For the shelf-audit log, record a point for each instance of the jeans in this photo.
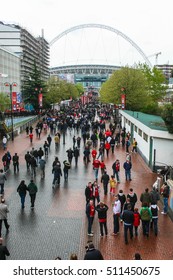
(165, 202)
(116, 174)
(126, 228)
(56, 178)
(5, 223)
(22, 197)
(90, 222)
(65, 175)
(2, 188)
(16, 167)
(103, 225)
(128, 174)
(116, 223)
(155, 223)
(33, 197)
(145, 227)
(96, 171)
(105, 187)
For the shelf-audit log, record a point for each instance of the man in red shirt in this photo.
(31, 137)
(96, 165)
(94, 153)
(107, 148)
(90, 212)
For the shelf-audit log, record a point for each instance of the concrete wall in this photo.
(164, 151)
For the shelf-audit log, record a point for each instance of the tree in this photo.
(133, 82)
(156, 82)
(4, 102)
(80, 88)
(33, 85)
(167, 115)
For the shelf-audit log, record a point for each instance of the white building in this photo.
(155, 143)
(9, 70)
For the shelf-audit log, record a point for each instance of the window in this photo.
(140, 132)
(145, 137)
(136, 129)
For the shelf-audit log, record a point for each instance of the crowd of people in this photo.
(100, 135)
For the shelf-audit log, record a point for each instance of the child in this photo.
(136, 221)
(113, 184)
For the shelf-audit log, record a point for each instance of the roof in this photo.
(152, 121)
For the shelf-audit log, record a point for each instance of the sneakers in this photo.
(163, 213)
(90, 234)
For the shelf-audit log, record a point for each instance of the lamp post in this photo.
(11, 99)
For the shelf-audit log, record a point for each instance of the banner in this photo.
(40, 100)
(123, 101)
(14, 101)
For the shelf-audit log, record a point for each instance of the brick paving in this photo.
(58, 225)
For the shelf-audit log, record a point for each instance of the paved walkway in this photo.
(58, 225)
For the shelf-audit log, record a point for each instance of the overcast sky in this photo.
(148, 23)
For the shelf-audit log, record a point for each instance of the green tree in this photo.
(4, 102)
(156, 82)
(32, 86)
(133, 81)
(167, 115)
(80, 88)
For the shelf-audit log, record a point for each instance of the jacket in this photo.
(93, 254)
(154, 196)
(136, 221)
(128, 217)
(32, 188)
(102, 211)
(145, 214)
(22, 189)
(3, 211)
(2, 178)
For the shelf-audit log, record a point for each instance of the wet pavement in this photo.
(58, 226)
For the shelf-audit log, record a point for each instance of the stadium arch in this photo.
(106, 27)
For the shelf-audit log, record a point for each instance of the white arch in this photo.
(95, 25)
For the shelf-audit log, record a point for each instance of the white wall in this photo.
(164, 151)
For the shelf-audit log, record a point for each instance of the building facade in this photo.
(9, 70)
(30, 49)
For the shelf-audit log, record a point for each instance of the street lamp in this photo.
(11, 99)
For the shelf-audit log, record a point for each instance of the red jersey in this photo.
(102, 165)
(92, 210)
(96, 163)
(107, 146)
(94, 153)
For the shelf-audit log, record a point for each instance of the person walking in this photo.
(90, 212)
(116, 169)
(113, 184)
(105, 180)
(96, 165)
(57, 173)
(42, 163)
(122, 199)
(154, 196)
(31, 137)
(154, 211)
(28, 160)
(145, 197)
(66, 168)
(3, 215)
(136, 221)
(4, 142)
(146, 216)
(46, 148)
(102, 209)
(33, 164)
(70, 154)
(128, 219)
(3, 250)
(15, 160)
(22, 190)
(89, 192)
(76, 155)
(165, 193)
(134, 145)
(133, 198)
(32, 188)
(49, 140)
(116, 215)
(2, 181)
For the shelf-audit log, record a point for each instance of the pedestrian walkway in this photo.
(58, 225)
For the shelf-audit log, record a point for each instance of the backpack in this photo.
(145, 214)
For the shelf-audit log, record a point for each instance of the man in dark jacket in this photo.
(127, 167)
(102, 209)
(15, 160)
(28, 160)
(165, 193)
(92, 253)
(154, 196)
(128, 218)
(57, 173)
(133, 198)
(32, 188)
(3, 250)
(105, 180)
